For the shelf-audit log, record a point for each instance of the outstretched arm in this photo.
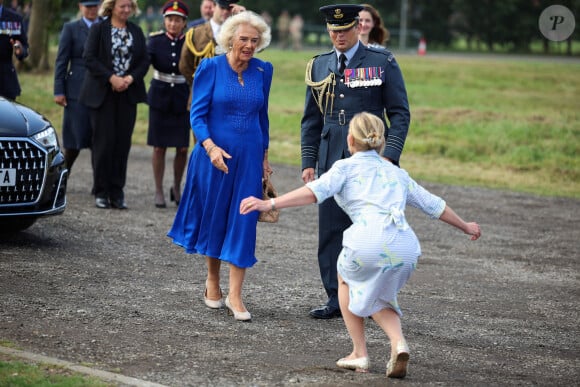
(450, 217)
(299, 197)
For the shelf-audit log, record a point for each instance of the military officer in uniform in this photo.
(206, 11)
(347, 80)
(200, 40)
(69, 73)
(167, 100)
(13, 41)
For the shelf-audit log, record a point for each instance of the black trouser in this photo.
(113, 124)
(332, 221)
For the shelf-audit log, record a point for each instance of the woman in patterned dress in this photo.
(116, 58)
(229, 116)
(380, 250)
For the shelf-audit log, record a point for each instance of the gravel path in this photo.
(107, 289)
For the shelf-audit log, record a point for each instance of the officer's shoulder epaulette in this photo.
(324, 54)
(320, 56)
(378, 50)
(156, 33)
(382, 51)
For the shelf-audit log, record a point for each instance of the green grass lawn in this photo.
(15, 373)
(498, 122)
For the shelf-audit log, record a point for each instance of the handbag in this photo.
(269, 192)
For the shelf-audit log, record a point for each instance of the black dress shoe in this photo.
(325, 312)
(172, 196)
(102, 203)
(119, 204)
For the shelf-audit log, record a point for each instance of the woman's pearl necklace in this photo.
(240, 77)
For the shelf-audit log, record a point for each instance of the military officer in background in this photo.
(13, 41)
(347, 80)
(69, 73)
(200, 40)
(167, 100)
(206, 11)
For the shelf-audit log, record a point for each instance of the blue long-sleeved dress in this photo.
(235, 117)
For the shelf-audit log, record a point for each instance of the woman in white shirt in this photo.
(380, 250)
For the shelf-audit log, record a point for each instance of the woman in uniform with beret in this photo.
(167, 99)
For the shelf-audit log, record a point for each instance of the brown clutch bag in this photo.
(268, 192)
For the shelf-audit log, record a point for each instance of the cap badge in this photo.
(338, 13)
(175, 5)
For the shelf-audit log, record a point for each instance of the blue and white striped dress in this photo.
(380, 250)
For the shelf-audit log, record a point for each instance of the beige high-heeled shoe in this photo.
(213, 304)
(360, 364)
(397, 365)
(240, 316)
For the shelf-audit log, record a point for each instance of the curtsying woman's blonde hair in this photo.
(368, 132)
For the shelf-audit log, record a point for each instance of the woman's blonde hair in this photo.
(250, 18)
(368, 132)
(107, 6)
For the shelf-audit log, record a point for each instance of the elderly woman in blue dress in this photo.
(229, 116)
(380, 250)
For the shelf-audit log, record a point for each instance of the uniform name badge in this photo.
(363, 77)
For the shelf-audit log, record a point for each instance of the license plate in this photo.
(7, 177)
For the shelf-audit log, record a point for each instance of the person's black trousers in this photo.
(113, 124)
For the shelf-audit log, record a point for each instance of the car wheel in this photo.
(12, 225)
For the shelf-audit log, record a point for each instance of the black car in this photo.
(33, 172)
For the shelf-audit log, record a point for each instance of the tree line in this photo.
(490, 25)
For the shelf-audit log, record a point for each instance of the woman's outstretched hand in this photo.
(251, 203)
(473, 229)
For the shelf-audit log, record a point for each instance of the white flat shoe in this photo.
(361, 364)
(397, 365)
(213, 304)
(240, 316)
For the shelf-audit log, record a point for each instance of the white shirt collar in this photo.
(215, 28)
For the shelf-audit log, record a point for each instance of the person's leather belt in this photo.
(163, 77)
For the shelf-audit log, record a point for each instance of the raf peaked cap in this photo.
(89, 3)
(178, 8)
(340, 16)
(225, 3)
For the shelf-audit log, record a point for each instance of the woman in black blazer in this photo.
(116, 59)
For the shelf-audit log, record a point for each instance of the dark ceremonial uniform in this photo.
(69, 73)
(168, 93)
(371, 82)
(11, 28)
